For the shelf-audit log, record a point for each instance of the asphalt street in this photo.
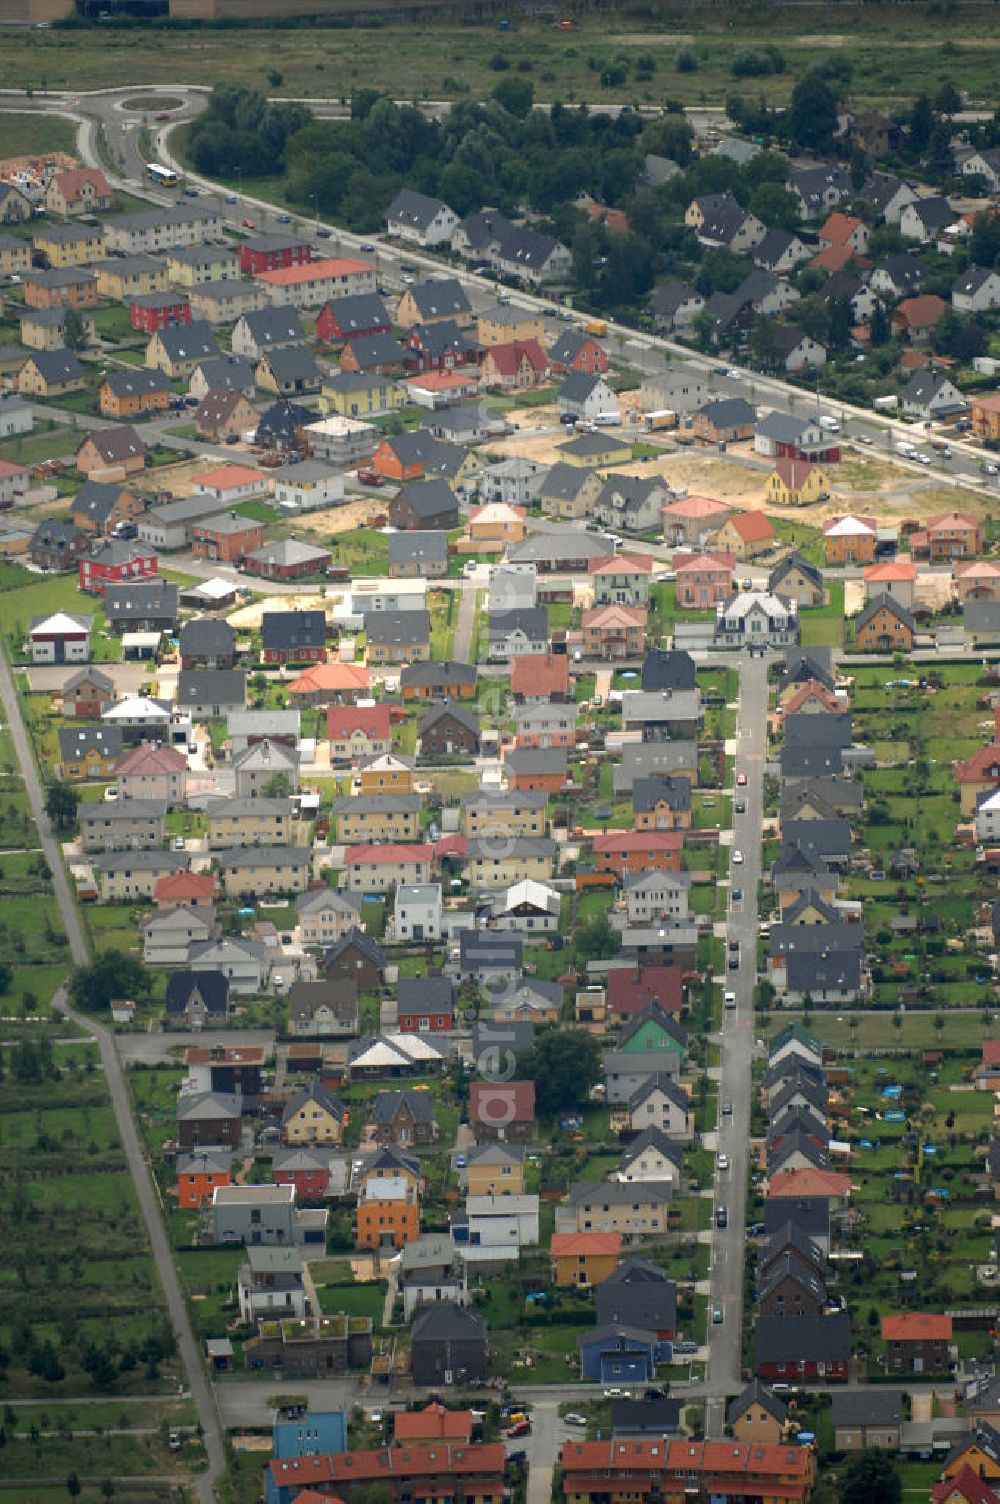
(733, 1138)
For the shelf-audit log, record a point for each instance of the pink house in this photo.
(704, 580)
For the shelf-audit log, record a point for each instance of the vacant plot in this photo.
(31, 134)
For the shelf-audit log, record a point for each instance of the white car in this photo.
(617, 1394)
(737, 858)
(575, 1420)
(924, 459)
(722, 1161)
(734, 374)
(991, 469)
(111, 793)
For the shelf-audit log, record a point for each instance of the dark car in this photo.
(721, 1217)
(323, 233)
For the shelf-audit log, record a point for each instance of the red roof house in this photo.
(502, 1110)
(540, 676)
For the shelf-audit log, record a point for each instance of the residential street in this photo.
(728, 1245)
(201, 1392)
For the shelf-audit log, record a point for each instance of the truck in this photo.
(829, 424)
(905, 450)
(607, 420)
(886, 404)
(664, 417)
(597, 327)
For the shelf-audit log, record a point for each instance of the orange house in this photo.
(584, 1258)
(627, 851)
(199, 1174)
(986, 416)
(850, 540)
(64, 287)
(388, 1217)
(132, 394)
(394, 462)
(884, 627)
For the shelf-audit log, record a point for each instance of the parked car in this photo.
(522, 1428)
(248, 224)
(574, 1420)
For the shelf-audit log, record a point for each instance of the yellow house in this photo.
(386, 817)
(570, 491)
(596, 451)
(499, 864)
(191, 265)
(360, 394)
(757, 1416)
(260, 870)
(795, 483)
(388, 1164)
(505, 323)
(42, 328)
(89, 765)
(517, 812)
(15, 255)
(70, 245)
(495, 1170)
(249, 822)
(130, 276)
(126, 876)
(386, 775)
(315, 1116)
(50, 373)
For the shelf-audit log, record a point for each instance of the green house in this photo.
(654, 1029)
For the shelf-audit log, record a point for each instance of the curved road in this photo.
(201, 1392)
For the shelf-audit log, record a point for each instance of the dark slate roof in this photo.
(211, 985)
(429, 546)
(138, 599)
(453, 711)
(356, 939)
(388, 1103)
(433, 994)
(728, 412)
(790, 1339)
(291, 363)
(398, 628)
(215, 686)
(648, 1306)
(439, 297)
(363, 310)
(414, 209)
(872, 1406)
(900, 612)
(290, 630)
(563, 481)
(371, 350)
(667, 669)
(809, 1215)
(790, 562)
(823, 838)
(445, 1322)
(648, 792)
(228, 373)
(206, 635)
(449, 673)
(653, 1138)
(192, 341)
(269, 327)
(645, 1417)
(756, 1394)
(74, 741)
(430, 498)
(95, 499)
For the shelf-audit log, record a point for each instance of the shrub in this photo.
(686, 61)
(499, 63)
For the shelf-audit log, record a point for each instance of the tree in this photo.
(940, 158)
(74, 334)
(764, 343)
(598, 939)
(879, 326)
(73, 1486)
(564, 1064)
(61, 804)
(921, 123)
(277, 786)
(516, 95)
(113, 974)
(775, 206)
(812, 115)
(841, 320)
(870, 1477)
(948, 99)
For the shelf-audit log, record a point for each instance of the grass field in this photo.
(892, 58)
(30, 134)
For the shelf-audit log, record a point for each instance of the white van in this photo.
(828, 424)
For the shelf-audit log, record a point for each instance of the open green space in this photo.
(891, 57)
(27, 133)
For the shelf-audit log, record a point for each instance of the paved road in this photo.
(728, 1245)
(201, 1392)
(154, 1048)
(466, 620)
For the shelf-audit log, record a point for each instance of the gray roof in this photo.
(728, 412)
(872, 1406)
(271, 327)
(291, 630)
(360, 311)
(430, 498)
(56, 365)
(291, 363)
(564, 482)
(206, 635)
(791, 1339)
(429, 546)
(191, 341)
(74, 741)
(416, 210)
(398, 628)
(211, 686)
(227, 373)
(440, 297)
(876, 604)
(756, 1394)
(265, 856)
(388, 1103)
(139, 599)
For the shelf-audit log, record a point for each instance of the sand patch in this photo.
(346, 519)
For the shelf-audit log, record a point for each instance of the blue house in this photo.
(301, 1432)
(618, 1355)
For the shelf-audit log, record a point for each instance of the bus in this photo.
(165, 176)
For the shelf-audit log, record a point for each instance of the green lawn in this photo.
(27, 133)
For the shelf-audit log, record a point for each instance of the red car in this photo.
(248, 224)
(523, 1428)
(369, 478)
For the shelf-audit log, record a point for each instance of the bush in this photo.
(686, 61)
(499, 63)
(753, 64)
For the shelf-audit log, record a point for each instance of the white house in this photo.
(757, 620)
(13, 482)
(587, 396)
(420, 220)
(976, 290)
(15, 418)
(501, 1221)
(650, 896)
(60, 638)
(307, 487)
(659, 1102)
(417, 913)
(168, 934)
(270, 1284)
(528, 906)
(988, 819)
(244, 962)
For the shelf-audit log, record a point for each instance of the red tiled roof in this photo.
(433, 1423)
(615, 616)
(808, 1182)
(707, 562)
(695, 507)
(345, 720)
(967, 1485)
(991, 1051)
(314, 271)
(72, 180)
(751, 526)
(984, 764)
(622, 564)
(436, 1459)
(951, 522)
(150, 757)
(838, 227)
(893, 569)
(332, 676)
(518, 1101)
(916, 1326)
(184, 886)
(225, 476)
(539, 674)
(793, 472)
(920, 312)
(508, 357)
(833, 258)
(639, 840)
(812, 690)
(574, 1244)
(635, 990)
(374, 854)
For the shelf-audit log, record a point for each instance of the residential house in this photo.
(87, 694)
(917, 1342)
(418, 555)
(430, 504)
(849, 540)
(718, 220)
(176, 349)
(797, 581)
(803, 1348)
(317, 281)
(924, 218)
(50, 373)
(502, 1111)
(632, 503)
(60, 638)
(404, 1118)
(756, 1417)
(448, 730)
(293, 637)
(704, 579)
(884, 626)
(976, 290)
(745, 535)
(315, 1116)
(133, 394)
(872, 1421)
(625, 852)
(89, 752)
(209, 1118)
(420, 220)
(613, 632)
(917, 318)
(398, 636)
(416, 920)
(379, 868)
(756, 619)
(151, 771)
(344, 317)
(584, 1259)
(795, 483)
(447, 1346)
(227, 538)
(249, 872)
